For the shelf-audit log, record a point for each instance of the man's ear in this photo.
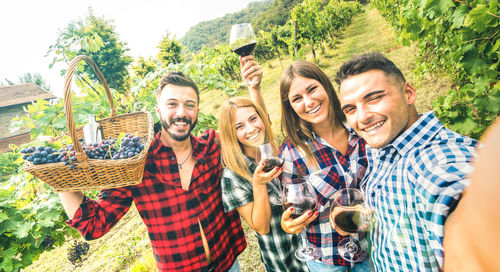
(157, 110)
(409, 93)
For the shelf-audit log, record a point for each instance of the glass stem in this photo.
(304, 238)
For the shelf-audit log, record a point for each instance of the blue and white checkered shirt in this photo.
(414, 184)
(335, 171)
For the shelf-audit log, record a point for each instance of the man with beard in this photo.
(180, 197)
(419, 168)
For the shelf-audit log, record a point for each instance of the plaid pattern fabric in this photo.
(277, 247)
(415, 182)
(335, 172)
(170, 213)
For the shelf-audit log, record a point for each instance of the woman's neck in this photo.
(337, 136)
(252, 152)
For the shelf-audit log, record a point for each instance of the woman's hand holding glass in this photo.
(261, 177)
(251, 71)
(300, 201)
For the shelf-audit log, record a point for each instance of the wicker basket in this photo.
(92, 174)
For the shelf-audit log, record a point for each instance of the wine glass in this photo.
(242, 41)
(270, 162)
(300, 195)
(349, 214)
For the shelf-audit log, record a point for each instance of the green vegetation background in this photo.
(126, 247)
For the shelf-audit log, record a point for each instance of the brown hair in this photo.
(295, 129)
(177, 78)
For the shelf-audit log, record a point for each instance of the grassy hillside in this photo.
(126, 247)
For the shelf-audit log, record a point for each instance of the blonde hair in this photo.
(232, 151)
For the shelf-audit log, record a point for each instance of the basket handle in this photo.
(67, 101)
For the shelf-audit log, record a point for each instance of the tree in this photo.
(144, 66)
(170, 50)
(34, 78)
(96, 38)
(306, 14)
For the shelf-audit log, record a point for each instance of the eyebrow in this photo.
(368, 95)
(310, 86)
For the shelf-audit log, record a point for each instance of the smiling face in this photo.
(250, 130)
(178, 111)
(378, 107)
(309, 100)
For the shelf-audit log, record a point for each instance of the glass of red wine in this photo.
(300, 195)
(242, 41)
(270, 162)
(349, 214)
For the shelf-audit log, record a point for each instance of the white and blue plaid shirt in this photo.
(414, 184)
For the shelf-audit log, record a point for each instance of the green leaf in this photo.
(478, 18)
(439, 7)
(23, 229)
(459, 15)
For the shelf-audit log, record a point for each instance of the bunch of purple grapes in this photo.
(130, 146)
(76, 251)
(48, 242)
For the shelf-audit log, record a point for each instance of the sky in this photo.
(29, 27)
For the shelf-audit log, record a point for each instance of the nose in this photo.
(308, 101)
(181, 111)
(363, 114)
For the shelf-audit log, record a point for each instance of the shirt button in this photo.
(172, 158)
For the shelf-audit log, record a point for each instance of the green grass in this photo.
(126, 247)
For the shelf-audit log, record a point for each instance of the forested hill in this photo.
(261, 14)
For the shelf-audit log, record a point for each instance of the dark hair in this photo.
(295, 129)
(367, 62)
(177, 78)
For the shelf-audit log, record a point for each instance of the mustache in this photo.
(181, 119)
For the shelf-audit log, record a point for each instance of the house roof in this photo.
(22, 93)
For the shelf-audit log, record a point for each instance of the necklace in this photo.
(185, 160)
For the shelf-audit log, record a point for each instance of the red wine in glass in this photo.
(309, 204)
(245, 50)
(271, 163)
(352, 220)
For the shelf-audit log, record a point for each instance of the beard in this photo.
(178, 137)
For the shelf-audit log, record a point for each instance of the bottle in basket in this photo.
(92, 131)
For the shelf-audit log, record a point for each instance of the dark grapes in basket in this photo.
(108, 149)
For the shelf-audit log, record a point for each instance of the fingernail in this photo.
(276, 168)
(309, 213)
(316, 213)
(291, 209)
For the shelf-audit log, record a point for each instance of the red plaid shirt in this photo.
(170, 213)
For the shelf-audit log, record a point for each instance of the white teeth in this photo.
(253, 137)
(377, 125)
(314, 110)
(180, 124)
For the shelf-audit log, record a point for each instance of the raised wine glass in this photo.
(300, 195)
(242, 41)
(349, 214)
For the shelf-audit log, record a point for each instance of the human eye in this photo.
(171, 104)
(238, 126)
(348, 110)
(296, 99)
(190, 106)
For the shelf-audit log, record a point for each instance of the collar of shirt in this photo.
(160, 151)
(416, 135)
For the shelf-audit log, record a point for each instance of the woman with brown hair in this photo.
(319, 143)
